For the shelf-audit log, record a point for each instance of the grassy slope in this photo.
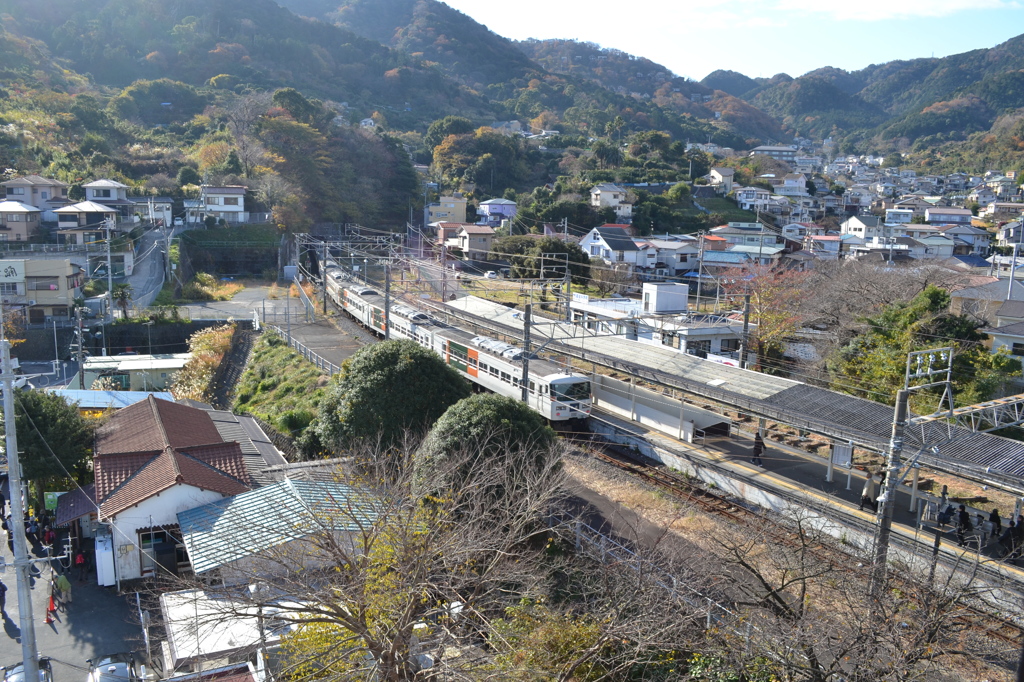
(279, 386)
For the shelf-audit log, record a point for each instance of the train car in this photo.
(488, 363)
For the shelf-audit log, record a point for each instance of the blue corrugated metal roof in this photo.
(725, 257)
(238, 527)
(101, 400)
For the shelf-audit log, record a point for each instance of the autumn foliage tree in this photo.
(775, 294)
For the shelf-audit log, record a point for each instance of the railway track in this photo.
(1004, 629)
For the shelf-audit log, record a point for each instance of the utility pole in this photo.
(700, 263)
(746, 328)
(526, 353)
(888, 497)
(1013, 272)
(444, 271)
(109, 223)
(81, 342)
(22, 562)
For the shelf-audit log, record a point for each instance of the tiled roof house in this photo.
(152, 460)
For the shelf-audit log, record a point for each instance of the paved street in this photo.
(97, 622)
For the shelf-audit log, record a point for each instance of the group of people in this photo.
(869, 493)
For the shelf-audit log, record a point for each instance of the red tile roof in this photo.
(154, 445)
(153, 424)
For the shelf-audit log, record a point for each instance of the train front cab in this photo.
(569, 398)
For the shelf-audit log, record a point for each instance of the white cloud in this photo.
(887, 10)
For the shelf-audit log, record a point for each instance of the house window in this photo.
(161, 548)
(101, 193)
(11, 191)
(45, 195)
(212, 201)
(730, 345)
(42, 283)
(1018, 349)
(3, 236)
(9, 288)
(231, 201)
(15, 218)
(595, 249)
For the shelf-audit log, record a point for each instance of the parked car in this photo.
(114, 668)
(490, 274)
(16, 671)
(178, 222)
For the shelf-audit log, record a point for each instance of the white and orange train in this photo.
(488, 363)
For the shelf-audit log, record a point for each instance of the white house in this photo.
(864, 226)
(898, 216)
(110, 193)
(948, 215)
(158, 210)
(793, 185)
(152, 460)
(18, 221)
(721, 179)
(613, 245)
(227, 203)
(607, 195)
(34, 190)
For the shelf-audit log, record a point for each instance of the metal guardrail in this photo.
(322, 364)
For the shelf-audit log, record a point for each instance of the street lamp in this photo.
(365, 261)
(149, 331)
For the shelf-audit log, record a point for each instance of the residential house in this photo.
(474, 241)
(152, 460)
(612, 244)
(494, 211)
(157, 210)
(19, 222)
(865, 226)
(1007, 209)
(225, 203)
(721, 179)
(448, 209)
(110, 193)
(967, 239)
(1008, 338)
(368, 123)
(97, 404)
(45, 289)
(898, 216)
(1003, 186)
(674, 258)
(782, 153)
(823, 246)
(984, 300)
(135, 372)
(751, 198)
(946, 215)
(1010, 233)
(747, 234)
(84, 217)
(34, 190)
(445, 232)
(287, 519)
(607, 195)
(792, 185)
(858, 197)
(797, 231)
(981, 195)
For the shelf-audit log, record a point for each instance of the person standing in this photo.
(867, 494)
(64, 585)
(80, 565)
(963, 525)
(997, 523)
(3, 597)
(758, 449)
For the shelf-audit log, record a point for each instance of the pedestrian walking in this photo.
(963, 525)
(80, 565)
(64, 586)
(758, 450)
(867, 494)
(3, 597)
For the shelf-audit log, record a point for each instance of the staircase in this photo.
(232, 366)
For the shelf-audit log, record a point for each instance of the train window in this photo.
(506, 377)
(533, 387)
(483, 367)
(515, 381)
(494, 371)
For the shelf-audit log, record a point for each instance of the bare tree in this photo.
(273, 190)
(802, 611)
(610, 279)
(243, 117)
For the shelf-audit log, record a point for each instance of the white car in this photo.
(490, 274)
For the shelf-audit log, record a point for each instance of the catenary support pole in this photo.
(526, 353)
(888, 497)
(81, 342)
(22, 562)
(746, 330)
(387, 301)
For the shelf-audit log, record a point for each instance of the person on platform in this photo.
(758, 450)
(867, 494)
(963, 525)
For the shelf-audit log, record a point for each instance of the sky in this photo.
(760, 37)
